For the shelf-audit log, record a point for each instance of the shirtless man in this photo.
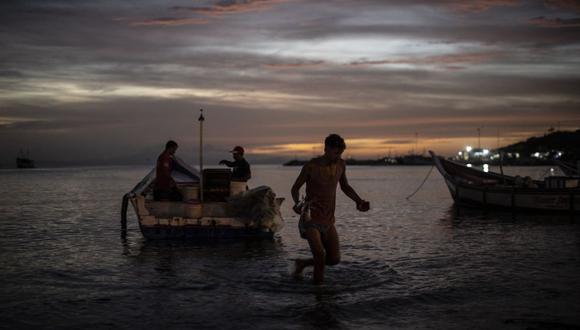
(321, 176)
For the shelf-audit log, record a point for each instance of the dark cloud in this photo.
(555, 22)
(573, 5)
(119, 79)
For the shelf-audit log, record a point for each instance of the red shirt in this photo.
(163, 179)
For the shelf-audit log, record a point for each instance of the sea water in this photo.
(406, 264)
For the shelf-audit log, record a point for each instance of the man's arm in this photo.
(348, 190)
(300, 180)
(227, 163)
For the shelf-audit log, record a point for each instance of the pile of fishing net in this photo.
(258, 208)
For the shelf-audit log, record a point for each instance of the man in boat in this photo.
(241, 167)
(322, 175)
(165, 187)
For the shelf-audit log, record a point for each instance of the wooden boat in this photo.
(472, 187)
(568, 168)
(227, 210)
(23, 161)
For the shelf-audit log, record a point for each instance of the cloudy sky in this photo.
(111, 81)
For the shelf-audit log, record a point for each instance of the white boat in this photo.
(227, 211)
(213, 205)
(472, 187)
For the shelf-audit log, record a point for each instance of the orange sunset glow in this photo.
(108, 83)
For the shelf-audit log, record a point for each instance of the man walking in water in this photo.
(316, 225)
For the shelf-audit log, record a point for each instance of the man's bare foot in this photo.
(299, 266)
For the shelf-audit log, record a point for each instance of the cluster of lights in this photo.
(470, 153)
(547, 154)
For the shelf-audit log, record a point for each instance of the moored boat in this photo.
(472, 187)
(24, 161)
(228, 210)
(568, 168)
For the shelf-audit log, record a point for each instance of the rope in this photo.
(422, 183)
(546, 172)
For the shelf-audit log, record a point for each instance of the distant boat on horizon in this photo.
(24, 161)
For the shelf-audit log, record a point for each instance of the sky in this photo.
(109, 82)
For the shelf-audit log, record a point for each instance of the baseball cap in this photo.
(237, 150)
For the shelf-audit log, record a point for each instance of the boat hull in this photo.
(214, 223)
(513, 199)
(204, 233)
(470, 187)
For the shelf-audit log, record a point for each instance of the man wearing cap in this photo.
(241, 167)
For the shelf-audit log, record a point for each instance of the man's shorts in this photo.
(303, 225)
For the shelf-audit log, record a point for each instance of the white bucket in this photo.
(237, 187)
(190, 192)
(192, 210)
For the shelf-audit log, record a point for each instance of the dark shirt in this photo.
(163, 179)
(241, 169)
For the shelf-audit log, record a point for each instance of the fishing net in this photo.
(258, 208)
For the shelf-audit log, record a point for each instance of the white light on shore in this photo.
(468, 165)
(485, 168)
(468, 148)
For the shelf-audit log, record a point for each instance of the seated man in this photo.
(165, 187)
(240, 165)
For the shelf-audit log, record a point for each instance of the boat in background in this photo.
(569, 168)
(472, 187)
(24, 161)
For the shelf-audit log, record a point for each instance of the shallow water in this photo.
(405, 264)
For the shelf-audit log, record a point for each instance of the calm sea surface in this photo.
(406, 264)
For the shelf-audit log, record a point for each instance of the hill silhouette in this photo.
(563, 145)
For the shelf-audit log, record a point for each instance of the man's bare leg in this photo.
(331, 246)
(299, 265)
(317, 248)
(318, 254)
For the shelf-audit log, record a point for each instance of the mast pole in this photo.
(201, 119)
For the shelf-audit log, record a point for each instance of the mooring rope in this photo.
(422, 183)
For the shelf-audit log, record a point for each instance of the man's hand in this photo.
(363, 206)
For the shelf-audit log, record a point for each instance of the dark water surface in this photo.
(406, 264)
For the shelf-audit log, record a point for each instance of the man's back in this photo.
(241, 170)
(163, 179)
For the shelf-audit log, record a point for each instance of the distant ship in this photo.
(23, 161)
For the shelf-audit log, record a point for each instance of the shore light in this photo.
(468, 148)
(485, 168)
(485, 152)
(468, 165)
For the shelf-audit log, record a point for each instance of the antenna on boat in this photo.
(201, 119)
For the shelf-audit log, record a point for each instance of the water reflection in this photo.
(457, 215)
(406, 264)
